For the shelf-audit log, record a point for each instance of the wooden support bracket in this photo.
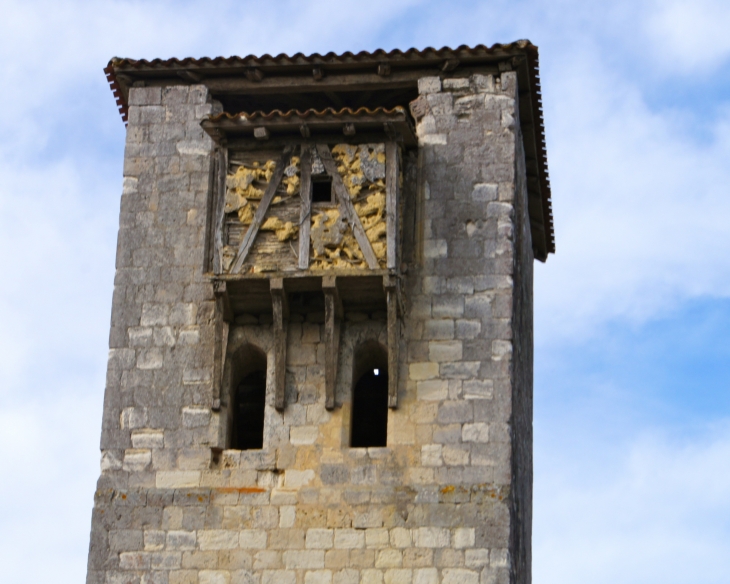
(391, 290)
(333, 313)
(347, 209)
(280, 325)
(223, 301)
(258, 218)
(305, 219)
(223, 316)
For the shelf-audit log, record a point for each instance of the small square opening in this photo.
(322, 189)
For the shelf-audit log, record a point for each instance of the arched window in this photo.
(249, 398)
(370, 396)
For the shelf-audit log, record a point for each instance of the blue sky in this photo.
(632, 406)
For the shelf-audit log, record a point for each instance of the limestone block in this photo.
(154, 540)
(425, 576)
(349, 538)
(303, 435)
(433, 389)
(432, 537)
(478, 432)
(278, 577)
(195, 416)
(147, 438)
(319, 538)
(318, 577)
(252, 539)
(398, 576)
(214, 577)
(435, 248)
(459, 576)
(136, 460)
(429, 85)
(295, 479)
(177, 479)
(309, 559)
(441, 351)
(422, 371)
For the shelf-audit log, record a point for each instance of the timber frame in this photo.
(309, 135)
(303, 105)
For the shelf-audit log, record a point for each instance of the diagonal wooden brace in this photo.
(347, 209)
(258, 217)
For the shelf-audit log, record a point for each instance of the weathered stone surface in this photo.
(447, 501)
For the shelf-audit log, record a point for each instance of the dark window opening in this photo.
(248, 412)
(370, 397)
(322, 189)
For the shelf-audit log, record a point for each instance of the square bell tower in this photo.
(320, 366)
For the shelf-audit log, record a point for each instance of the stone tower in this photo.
(320, 366)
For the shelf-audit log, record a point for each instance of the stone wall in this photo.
(444, 501)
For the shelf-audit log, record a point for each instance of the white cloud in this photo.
(690, 36)
(661, 514)
(639, 204)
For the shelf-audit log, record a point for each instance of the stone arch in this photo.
(246, 375)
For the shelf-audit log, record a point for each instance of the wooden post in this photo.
(391, 291)
(280, 324)
(333, 312)
(258, 218)
(347, 209)
(220, 204)
(305, 219)
(391, 202)
(223, 316)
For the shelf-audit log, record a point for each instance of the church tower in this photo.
(320, 366)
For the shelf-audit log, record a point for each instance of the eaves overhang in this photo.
(306, 75)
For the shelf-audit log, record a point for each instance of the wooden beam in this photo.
(247, 142)
(305, 212)
(261, 133)
(309, 83)
(253, 229)
(254, 74)
(280, 325)
(223, 300)
(391, 203)
(332, 315)
(220, 202)
(347, 209)
(391, 291)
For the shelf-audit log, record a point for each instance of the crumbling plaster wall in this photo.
(439, 504)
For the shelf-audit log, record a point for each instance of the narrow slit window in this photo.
(248, 412)
(370, 409)
(322, 189)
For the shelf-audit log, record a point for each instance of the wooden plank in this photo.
(210, 213)
(391, 203)
(280, 326)
(347, 209)
(220, 203)
(258, 217)
(389, 282)
(305, 192)
(332, 315)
